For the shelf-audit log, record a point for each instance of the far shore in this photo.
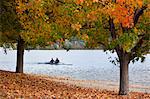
(16, 85)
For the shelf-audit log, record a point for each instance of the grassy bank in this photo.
(26, 86)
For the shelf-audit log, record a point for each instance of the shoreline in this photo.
(36, 86)
(96, 84)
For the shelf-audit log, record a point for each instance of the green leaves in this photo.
(128, 41)
(9, 24)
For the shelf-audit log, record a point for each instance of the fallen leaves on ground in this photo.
(16, 85)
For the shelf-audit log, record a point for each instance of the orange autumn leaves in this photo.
(122, 11)
(131, 2)
(123, 15)
(79, 1)
(26, 86)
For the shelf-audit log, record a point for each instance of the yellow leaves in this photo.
(32, 7)
(85, 37)
(116, 21)
(76, 26)
(63, 21)
(132, 3)
(92, 16)
(95, 0)
(88, 2)
(120, 1)
(37, 1)
(136, 3)
(21, 7)
(140, 3)
(135, 30)
(128, 45)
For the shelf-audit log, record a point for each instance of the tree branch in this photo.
(112, 28)
(138, 13)
(103, 44)
(138, 46)
(113, 35)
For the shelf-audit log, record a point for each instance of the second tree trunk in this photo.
(124, 75)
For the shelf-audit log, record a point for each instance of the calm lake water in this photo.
(86, 65)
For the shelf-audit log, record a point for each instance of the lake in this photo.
(82, 65)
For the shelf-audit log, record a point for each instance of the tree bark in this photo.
(20, 54)
(124, 75)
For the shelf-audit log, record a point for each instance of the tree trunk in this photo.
(124, 75)
(20, 53)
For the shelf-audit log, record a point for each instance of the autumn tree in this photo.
(27, 23)
(10, 26)
(116, 25)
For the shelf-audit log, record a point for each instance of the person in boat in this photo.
(57, 61)
(52, 61)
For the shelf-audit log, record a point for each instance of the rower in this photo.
(57, 61)
(51, 61)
